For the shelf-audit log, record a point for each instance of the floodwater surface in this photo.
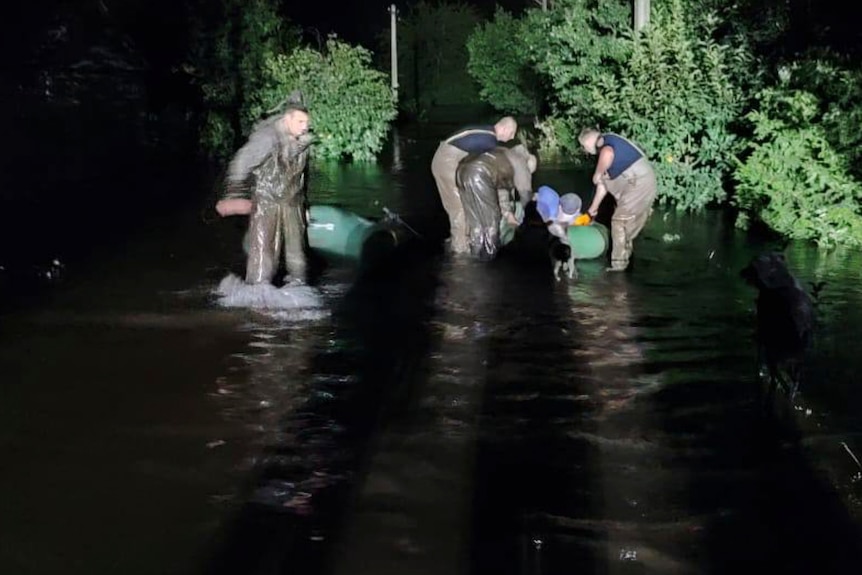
(438, 416)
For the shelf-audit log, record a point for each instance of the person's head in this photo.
(570, 208)
(296, 120)
(588, 138)
(505, 128)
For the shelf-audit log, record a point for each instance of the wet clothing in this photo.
(486, 183)
(634, 188)
(469, 140)
(276, 164)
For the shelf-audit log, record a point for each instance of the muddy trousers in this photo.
(274, 227)
(635, 192)
(483, 233)
(443, 167)
(624, 229)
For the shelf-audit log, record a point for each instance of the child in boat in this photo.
(558, 212)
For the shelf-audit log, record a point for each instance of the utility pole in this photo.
(641, 14)
(393, 13)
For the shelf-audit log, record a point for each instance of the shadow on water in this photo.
(357, 372)
(445, 416)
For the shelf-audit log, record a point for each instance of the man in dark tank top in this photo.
(623, 170)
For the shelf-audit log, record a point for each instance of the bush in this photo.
(501, 66)
(678, 99)
(230, 41)
(573, 46)
(792, 179)
(350, 103)
(838, 86)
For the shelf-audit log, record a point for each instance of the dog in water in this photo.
(785, 322)
(563, 258)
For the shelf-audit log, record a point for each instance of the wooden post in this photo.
(393, 12)
(641, 14)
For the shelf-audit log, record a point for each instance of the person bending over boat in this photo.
(494, 187)
(622, 169)
(468, 140)
(558, 212)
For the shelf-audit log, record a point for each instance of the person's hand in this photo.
(510, 217)
(593, 212)
(233, 207)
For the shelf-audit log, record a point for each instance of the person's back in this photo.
(468, 140)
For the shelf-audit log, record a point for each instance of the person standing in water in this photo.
(267, 180)
(622, 169)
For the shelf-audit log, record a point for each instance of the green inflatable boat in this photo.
(337, 232)
(589, 241)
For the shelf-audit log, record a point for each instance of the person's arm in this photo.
(559, 230)
(233, 207)
(507, 206)
(251, 155)
(236, 200)
(601, 192)
(606, 158)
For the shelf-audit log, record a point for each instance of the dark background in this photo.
(97, 123)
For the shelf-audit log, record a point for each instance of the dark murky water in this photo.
(443, 417)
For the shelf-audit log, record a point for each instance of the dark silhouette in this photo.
(785, 322)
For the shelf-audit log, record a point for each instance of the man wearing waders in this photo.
(492, 187)
(623, 170)
(274, 158)
(468, 140)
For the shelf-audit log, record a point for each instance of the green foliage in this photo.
(838, 86)
(557, 137)
(350, 102)
(760, 23)
(574, 46)
(677, 97)
(230, 41)
(792, 179)
(432, 68)
(501, 67)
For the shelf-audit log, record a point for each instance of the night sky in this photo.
(159, 26)
(361, 21)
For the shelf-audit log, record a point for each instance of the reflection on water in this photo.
(442, 416)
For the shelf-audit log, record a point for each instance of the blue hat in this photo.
(570, 204)
(547, 203)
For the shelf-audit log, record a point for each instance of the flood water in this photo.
(441, 416)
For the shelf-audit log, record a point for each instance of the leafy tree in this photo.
(791, 177)
(678, 98)
(350, 102)
(574, 46)
(501, 66)
(230, 42)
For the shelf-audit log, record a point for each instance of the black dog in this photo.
(785, 322)
(533, 238)
(561, 257)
